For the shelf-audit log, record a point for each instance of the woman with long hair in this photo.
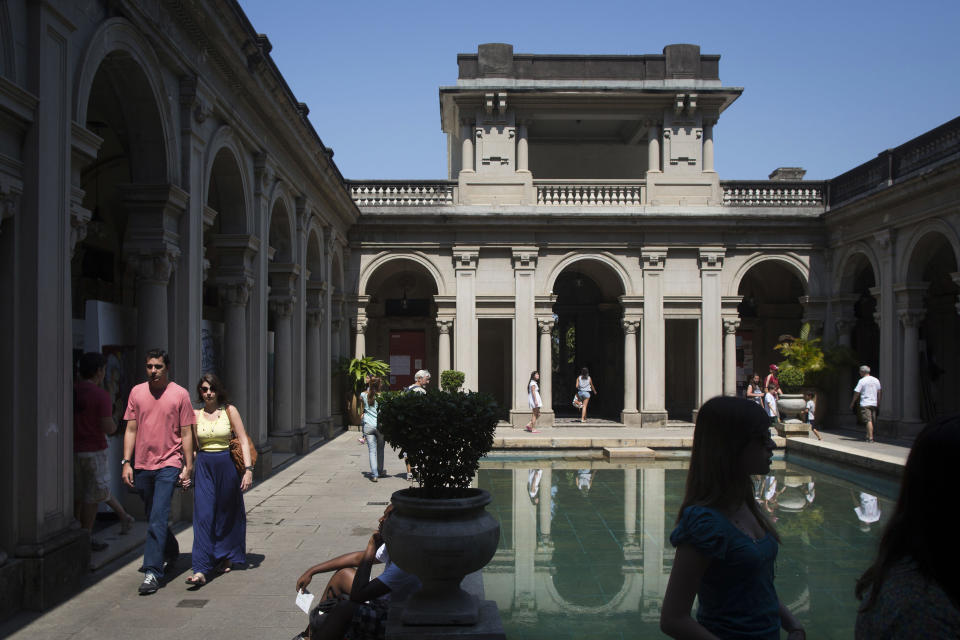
(584, 387)
(534, 400)
(219, 516)
(371, 433)
(726, 546)
(754, 389)
(912, 590)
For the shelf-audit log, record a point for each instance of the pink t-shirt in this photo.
(159, 419)
(91, 405)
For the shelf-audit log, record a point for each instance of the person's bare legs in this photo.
(583, 409)
(869, 430)
(339, 584)
(533, 420)
(126, 520)
(87, 514)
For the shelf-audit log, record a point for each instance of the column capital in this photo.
(630, 325)
(444, 325)
(730, 325)
(911, 317)
(711, 258)
(653, 258)
(545, 325)
(236, 293)
(315, 316)
(465, 258)
(525, 258)
(283, 306)
(155, 267)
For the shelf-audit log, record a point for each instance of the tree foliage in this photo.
(444, 435)
(451, 380)
(359, 369)
(806, 361)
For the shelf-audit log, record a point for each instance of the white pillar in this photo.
(315, 364)
(523, 163)
(283, 365)
(708, 147)
(524, 545)
(361, 344)
(235, 298)
(443, 348)
(546, 364)
(653, 542)
(546, 503)
(630, 415)
(630, 504)
(890, 406)
(730, 326)
(466, 150)
(653, 149)
(465, 327)
(653, 402)
(911, 319)
(524, 330)
(711, 325)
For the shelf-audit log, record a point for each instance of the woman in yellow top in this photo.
(219, 517)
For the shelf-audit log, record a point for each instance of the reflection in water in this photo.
(584, 549)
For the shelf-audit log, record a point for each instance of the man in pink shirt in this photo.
(159, 443)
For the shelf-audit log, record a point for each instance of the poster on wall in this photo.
(122, 371)
(211, 347)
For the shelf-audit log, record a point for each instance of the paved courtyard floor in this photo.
(318, 506)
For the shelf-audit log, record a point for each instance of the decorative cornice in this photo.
(653, 259)
(465, 257)
(711, 259)
(525, 257)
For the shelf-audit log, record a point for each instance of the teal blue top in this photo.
(369, 411)
(737, 597)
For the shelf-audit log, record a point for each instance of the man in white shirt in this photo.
(867, 395)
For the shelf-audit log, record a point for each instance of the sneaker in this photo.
(98, 545)
(149, 585)
(374, 479)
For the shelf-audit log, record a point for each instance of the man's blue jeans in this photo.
(156, 487)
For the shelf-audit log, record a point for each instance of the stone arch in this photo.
(925, 235)
(282, 227)
(118, 37)
(414, 256)
(224, 160)
(847, 266)
(315, 262)
(607, 259)
(794, 264)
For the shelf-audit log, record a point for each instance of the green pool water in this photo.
(585, 552)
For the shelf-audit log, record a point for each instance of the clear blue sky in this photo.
(828, 85)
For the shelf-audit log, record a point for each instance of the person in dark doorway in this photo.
(584, 387)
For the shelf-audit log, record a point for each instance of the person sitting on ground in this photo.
(912, 590)
(361, 610)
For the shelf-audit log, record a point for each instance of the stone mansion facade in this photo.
(160, 185)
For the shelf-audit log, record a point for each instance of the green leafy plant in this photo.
(451, 380)
(807, 363)
(444, 435)
(359, 369)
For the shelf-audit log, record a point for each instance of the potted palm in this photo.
(807, 365)
(355, 372)
(440, 530)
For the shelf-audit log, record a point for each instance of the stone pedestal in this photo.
(488, 627)
(793, 429)
(54, 569)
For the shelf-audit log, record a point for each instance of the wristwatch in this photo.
(124, 461)
(248, 468)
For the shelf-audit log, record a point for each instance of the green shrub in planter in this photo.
(791, 379)
(443, 434)
(451, 380)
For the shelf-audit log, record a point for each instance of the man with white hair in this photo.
(421, 379)
(867, 394)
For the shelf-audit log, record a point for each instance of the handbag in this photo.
(577, 402)
(236, 452)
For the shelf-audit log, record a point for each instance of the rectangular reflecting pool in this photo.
(585, 544)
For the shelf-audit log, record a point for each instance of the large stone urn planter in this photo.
(441, 540)
(790, 406)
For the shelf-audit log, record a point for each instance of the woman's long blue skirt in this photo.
(219, 518)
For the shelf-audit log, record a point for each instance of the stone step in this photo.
(628, 452)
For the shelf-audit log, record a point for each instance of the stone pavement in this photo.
(318, 506)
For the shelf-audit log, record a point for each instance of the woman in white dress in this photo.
(533, 399)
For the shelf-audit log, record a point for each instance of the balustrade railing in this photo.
(590, 193)
(402, 193)
(772, 193)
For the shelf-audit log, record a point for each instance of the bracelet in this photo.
(250, 468)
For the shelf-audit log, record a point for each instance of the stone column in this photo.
(707, 146)
(545, 327)
(466, 158)
(523, 153)
(711, 324)
(282, 310)
(235, 299)
(653, 542)
(465, 328)
(730, 326)
(653, 149)
(361, 331)
(153, 273)
(911, 319)
(444, 326)
(653, 402)
(524, 330)
(315, 365)
(546, 504)
(630, 505)
(524, 546)
(886, 316)
(630, 415)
